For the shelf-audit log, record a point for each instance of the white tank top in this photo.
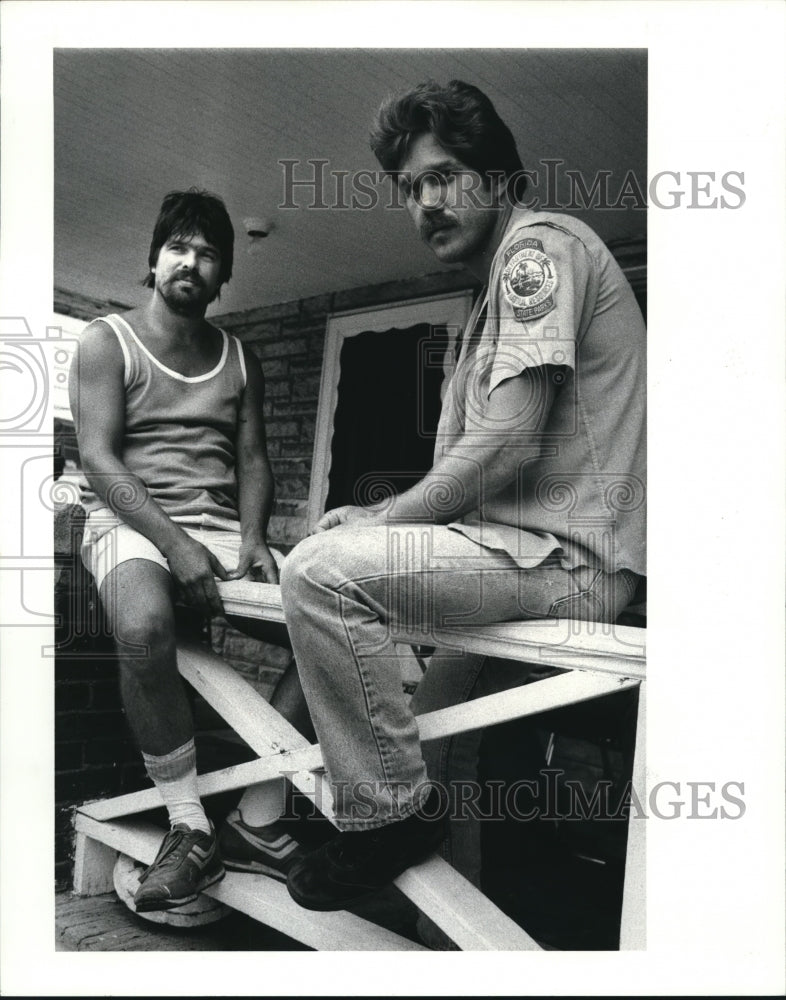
(180, 431)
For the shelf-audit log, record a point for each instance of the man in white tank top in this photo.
(178, 489)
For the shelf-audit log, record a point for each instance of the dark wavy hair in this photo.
(461, 118)
(185, 213)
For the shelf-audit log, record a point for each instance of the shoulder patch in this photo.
(529, 279)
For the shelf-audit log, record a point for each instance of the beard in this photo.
(185, 299)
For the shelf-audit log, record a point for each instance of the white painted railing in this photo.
(599, 659)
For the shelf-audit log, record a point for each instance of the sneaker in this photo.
(264, 850)
(354, 865)
(187, 862)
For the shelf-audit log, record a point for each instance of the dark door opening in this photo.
(387, 413)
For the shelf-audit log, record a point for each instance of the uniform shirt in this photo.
(557, 298)
(180, 431)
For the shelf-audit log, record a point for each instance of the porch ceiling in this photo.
(133, 124)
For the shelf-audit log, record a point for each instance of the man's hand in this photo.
(349, 515)
(193, 569)
(257, 562)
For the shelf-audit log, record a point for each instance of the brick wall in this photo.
(94, 754)
(289, 340)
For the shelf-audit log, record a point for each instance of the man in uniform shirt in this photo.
(534, 506)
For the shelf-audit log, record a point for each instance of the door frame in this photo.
(451, 311)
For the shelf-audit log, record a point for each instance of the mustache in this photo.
(190, 276)
(431, 226)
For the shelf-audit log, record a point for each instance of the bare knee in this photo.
(138, 602)
(145, 639)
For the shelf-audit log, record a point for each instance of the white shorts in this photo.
(108, 542)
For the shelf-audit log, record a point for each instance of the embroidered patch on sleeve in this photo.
(529, 279)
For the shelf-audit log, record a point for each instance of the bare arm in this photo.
(480, 464)
(254, 479)
(97, 396)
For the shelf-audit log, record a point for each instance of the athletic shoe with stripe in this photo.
(264, 850)
(187, 862)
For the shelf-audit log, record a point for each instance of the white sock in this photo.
(263, 804)
(174, 775)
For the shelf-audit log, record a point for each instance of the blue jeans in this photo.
(345, 594)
